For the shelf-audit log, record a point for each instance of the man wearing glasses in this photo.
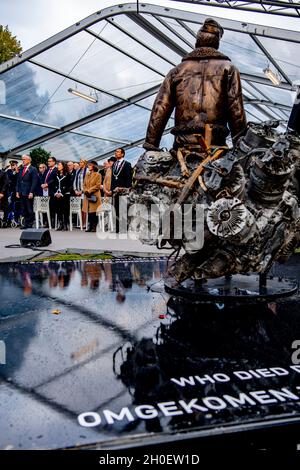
(49, 187)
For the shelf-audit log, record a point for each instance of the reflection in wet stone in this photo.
(124, 359)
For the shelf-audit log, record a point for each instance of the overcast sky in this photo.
(32, 21)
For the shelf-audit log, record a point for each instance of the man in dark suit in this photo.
(12, 175)
(4, 187)
(5, 193)
(121, 179)
(4, 182)
(121, 173)
(27, 183)
(49, 186)
(15, 204)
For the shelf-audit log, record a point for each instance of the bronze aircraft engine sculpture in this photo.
(249, 193)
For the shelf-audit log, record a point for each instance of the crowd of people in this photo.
(59, 181)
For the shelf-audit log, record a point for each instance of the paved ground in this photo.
(76, 241)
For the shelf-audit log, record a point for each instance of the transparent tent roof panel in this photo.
(278, 114)
(286, 54)
(42, 96)
(132, 47)
(272, 94)
(13, 132)
(187, 41)
(259, 114)
(26, 93)
(277, 95)
(100, 65)
(127, 124)
(36, 94)
(71, 146)
(176, 26)
(158, 25)
(244, 53)
(133, 154)
(127, 23)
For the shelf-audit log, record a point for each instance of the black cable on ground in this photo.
(39, 250)
(13, 246)
(34, 248)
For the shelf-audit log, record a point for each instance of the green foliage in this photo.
(39, 155)
(75, 257)
(9, 45)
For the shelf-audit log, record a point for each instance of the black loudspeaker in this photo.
(35, 237)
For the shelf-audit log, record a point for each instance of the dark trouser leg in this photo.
(52, 208)
(30, 211)
(116, 201)
(27, 210)
(58, 211)
(66, 211)
(4, 208)
(16, 207)
(92, 222)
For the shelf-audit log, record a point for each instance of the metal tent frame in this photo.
(150, 40)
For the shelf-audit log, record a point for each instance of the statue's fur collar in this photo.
(203, 53)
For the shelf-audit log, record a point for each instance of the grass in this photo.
(75, 257)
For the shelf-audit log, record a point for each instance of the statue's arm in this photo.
(236, 113)
(161, 112)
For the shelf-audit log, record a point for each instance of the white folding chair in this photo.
(40, 207)
(105, 212)
(75, 208)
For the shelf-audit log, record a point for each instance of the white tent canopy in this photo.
(118, 58)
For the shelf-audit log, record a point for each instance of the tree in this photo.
(9, 44)
(39, 155)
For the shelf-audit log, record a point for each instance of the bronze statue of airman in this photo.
(205, 89)
(251, 212)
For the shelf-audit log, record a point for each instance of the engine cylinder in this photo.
(269, 174)
(230, 219)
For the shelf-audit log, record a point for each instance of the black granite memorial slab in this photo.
(91, 357)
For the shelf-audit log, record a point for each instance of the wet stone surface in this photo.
(94, 356)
